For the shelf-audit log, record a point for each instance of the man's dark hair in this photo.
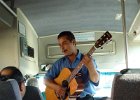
(68, 34)
(15, 74)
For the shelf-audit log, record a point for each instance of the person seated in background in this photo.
(32, 82)
(11, 72)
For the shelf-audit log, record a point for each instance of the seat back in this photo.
(126, 87)
(9, 90)
(130, 71)
(32, 93)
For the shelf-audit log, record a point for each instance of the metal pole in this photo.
(124, 32)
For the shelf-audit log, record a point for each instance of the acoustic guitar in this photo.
(66, 78)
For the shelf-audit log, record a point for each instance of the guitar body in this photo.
(65, 73)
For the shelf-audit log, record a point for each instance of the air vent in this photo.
(53, 50)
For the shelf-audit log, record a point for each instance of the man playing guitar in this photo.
(72, 57)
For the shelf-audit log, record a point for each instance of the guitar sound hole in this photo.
(65, 84)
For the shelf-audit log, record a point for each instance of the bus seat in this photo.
(126, 87)
(130, 71)
(32, 93)
(9, 90)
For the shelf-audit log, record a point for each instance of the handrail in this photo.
(124, 31)
(8, 8)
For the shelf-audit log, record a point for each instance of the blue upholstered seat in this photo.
(9, 90)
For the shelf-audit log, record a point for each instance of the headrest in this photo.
(9, 90)
(32, 93)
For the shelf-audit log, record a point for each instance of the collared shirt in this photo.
(65, 63)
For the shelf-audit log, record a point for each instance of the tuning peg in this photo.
(108, 41)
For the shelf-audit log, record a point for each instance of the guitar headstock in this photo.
(103, 39)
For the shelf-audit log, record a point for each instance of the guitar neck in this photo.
(103, 39)
(79, 66)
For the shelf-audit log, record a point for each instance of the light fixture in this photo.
(118, 16)
(86, 36)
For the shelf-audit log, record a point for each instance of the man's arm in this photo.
(93, 74)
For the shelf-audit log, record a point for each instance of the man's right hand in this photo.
(60, 91)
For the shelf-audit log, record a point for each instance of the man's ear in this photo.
(22, 89)
(74, 42)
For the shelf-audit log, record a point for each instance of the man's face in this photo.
(67, 47)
